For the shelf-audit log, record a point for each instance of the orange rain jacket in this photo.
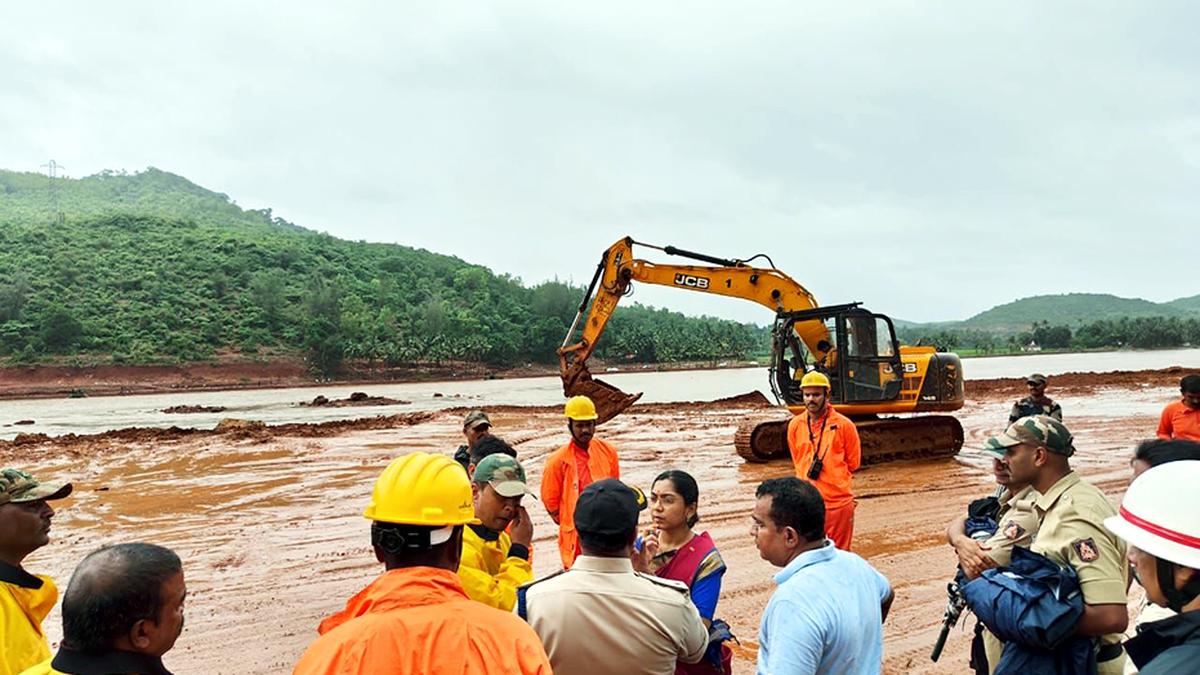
(418, 620)
(840, 454)
(561, 488)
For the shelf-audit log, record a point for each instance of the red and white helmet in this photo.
(1160, 513)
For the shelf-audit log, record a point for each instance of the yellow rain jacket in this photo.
(25, 600)
(492, 568)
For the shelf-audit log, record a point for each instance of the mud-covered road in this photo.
(268, 520)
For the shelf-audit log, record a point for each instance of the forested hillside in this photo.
(151, 268)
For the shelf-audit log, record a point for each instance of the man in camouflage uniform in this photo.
(476, 426)
(1037, 451)
(1017, 525)
(1037, 402)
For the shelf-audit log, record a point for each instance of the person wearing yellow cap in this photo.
(826, 452)
(576, 465)
(25, 599)
(416, 616)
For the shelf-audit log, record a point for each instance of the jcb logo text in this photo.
(691, 281)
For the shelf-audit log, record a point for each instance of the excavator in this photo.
(871, 374)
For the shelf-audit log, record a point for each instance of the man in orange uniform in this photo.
(416, 618)
(572, 468)
(1181, 419)
(825, 450)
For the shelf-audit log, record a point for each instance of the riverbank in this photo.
(59, 381)
(268, 517)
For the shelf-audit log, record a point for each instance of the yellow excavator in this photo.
(870, 372)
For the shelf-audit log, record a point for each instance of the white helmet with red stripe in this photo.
(1160, 513)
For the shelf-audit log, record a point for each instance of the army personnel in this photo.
(603, 618)
(1017, 525)
(1037, 402)
(476, 426)
(25, 599)
(1037, 450)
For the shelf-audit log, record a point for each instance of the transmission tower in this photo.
(56, 214)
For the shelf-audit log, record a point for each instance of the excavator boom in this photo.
(871, 373)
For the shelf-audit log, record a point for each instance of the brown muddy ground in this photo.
(268, 519)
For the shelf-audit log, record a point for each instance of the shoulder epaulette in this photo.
(669, 583)
(521, 607)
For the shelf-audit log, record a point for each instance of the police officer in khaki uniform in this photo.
(1018, 522)
(1072, 531)
(600, 617)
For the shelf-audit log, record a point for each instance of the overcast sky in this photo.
(930, 159)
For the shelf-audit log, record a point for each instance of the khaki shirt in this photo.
(1018, 524)
(1073, 533)
(602, 617)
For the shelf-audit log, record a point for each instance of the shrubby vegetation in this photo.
(1156, 332)
(150, 268)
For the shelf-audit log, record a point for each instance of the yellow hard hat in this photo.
(580, 408)
(814, 379)
(423, 489)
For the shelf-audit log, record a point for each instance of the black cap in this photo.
(609, 507)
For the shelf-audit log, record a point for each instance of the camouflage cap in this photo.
(475, 418)
(17, 486)
(504, 474)
(1039, 430)
(1036, 378)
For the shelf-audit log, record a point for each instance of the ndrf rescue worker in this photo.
(416, 618)
(122, 611)
(826, 452)
(494, 562)
(1160, 519)
(1037, 450)
(25, 599)
(601, 617)
(573, 467)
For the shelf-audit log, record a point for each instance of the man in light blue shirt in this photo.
(827, 614)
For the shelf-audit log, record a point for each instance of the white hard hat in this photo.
(1160, 513)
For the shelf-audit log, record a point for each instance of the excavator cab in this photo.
(859, 354)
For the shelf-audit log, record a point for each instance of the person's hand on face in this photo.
(522, 528)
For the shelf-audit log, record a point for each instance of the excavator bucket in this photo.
(609, 400)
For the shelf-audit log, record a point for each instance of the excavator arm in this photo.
(613, 279)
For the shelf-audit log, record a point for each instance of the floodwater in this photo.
(278, 406)
(273, 540)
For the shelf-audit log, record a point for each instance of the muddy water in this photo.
(276, 406)
(272, 537)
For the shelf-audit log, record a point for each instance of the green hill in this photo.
(1191, 304)
(151, 268)
(1069, 309)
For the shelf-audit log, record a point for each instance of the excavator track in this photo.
(883, 440)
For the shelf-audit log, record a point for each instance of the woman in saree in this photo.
(673, 550)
